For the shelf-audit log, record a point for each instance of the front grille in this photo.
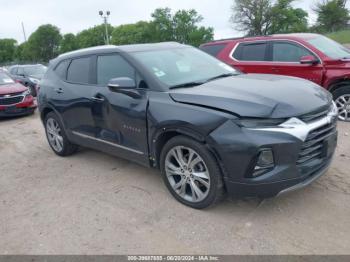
(313, 116)
(6, 101)
(313, 146)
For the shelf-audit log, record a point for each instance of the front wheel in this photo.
(341, 97)
(191, 173)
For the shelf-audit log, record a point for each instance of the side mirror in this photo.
(121, 83)
(308, 60)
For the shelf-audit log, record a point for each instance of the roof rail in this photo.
(236, 38)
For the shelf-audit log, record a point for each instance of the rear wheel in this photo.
(191, 173)
(341, 97)
(56, 136)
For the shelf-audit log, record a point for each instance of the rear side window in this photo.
(213, 50)
(61, 69)
(78, 71)
(288, 52)
(13, 71)
(251, 52)
(113, 66)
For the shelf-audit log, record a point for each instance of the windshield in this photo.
(179, 66)
(35, 70)
(330, 48)
(5, 79)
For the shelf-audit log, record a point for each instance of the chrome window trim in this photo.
(300, 129)
(107, 142)
(272, 62)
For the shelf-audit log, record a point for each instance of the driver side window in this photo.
(113, 66)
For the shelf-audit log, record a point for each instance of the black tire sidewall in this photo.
(216, 185)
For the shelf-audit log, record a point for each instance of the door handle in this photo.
(97, 99)
(275, 69)
(59, 90)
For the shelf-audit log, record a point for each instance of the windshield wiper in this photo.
(189, 84)
(220, 76)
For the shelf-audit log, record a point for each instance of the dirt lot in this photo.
(93, 203)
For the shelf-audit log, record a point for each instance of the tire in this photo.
(341, 96)
(61, 146)
(203, 163)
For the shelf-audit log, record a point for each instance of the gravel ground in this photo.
(93, 203)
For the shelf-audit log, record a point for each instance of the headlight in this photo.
(334, 110)
(258, 122)
(26, 93)
(34, 80)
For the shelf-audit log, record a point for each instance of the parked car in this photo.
(310, 56)
(28, 75)
(15, 99)
(208, 128)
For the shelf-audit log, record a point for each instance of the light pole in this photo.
(105, 20)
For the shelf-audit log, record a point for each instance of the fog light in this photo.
(264, 163)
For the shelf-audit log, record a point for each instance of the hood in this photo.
(338, 64)
(256, 95)
(12, 88)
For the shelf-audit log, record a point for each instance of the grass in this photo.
(342, 37)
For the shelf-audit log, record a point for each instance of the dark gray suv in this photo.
(210, 129)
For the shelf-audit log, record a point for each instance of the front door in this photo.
(121, 114)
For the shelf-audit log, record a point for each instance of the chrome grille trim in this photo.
(5, 101)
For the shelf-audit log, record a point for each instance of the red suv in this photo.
(310, 56)
(15, 99)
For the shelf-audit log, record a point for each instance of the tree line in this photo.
(252, 17)
(264, 17)
(47, 42)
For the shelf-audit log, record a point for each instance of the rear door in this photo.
(251, 57)
(285, 60)
(72, 96)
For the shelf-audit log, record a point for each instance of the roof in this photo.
(122, 48)
(304, 36)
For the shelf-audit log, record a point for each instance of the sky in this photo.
(72, 16)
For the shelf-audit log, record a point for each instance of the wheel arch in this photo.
(165, 134)
(338, 84)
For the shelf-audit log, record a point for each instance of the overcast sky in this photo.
(76, 15)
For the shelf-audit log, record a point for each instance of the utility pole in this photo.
(105, 20)
(24, 33)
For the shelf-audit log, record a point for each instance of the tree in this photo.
(262, 17)
(132, 34)
(332, 15)
(68, 43)
(186, 29)
(7, 50)
(252, 16)
(286, 19)
(181, 27)
(44, 43)
(162, 25)
(94, 36)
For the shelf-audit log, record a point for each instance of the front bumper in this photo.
(26, 107)
(237, 150)
(266, 190)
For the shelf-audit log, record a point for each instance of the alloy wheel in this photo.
(343, 105)
(187, 173)
(54, 134)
